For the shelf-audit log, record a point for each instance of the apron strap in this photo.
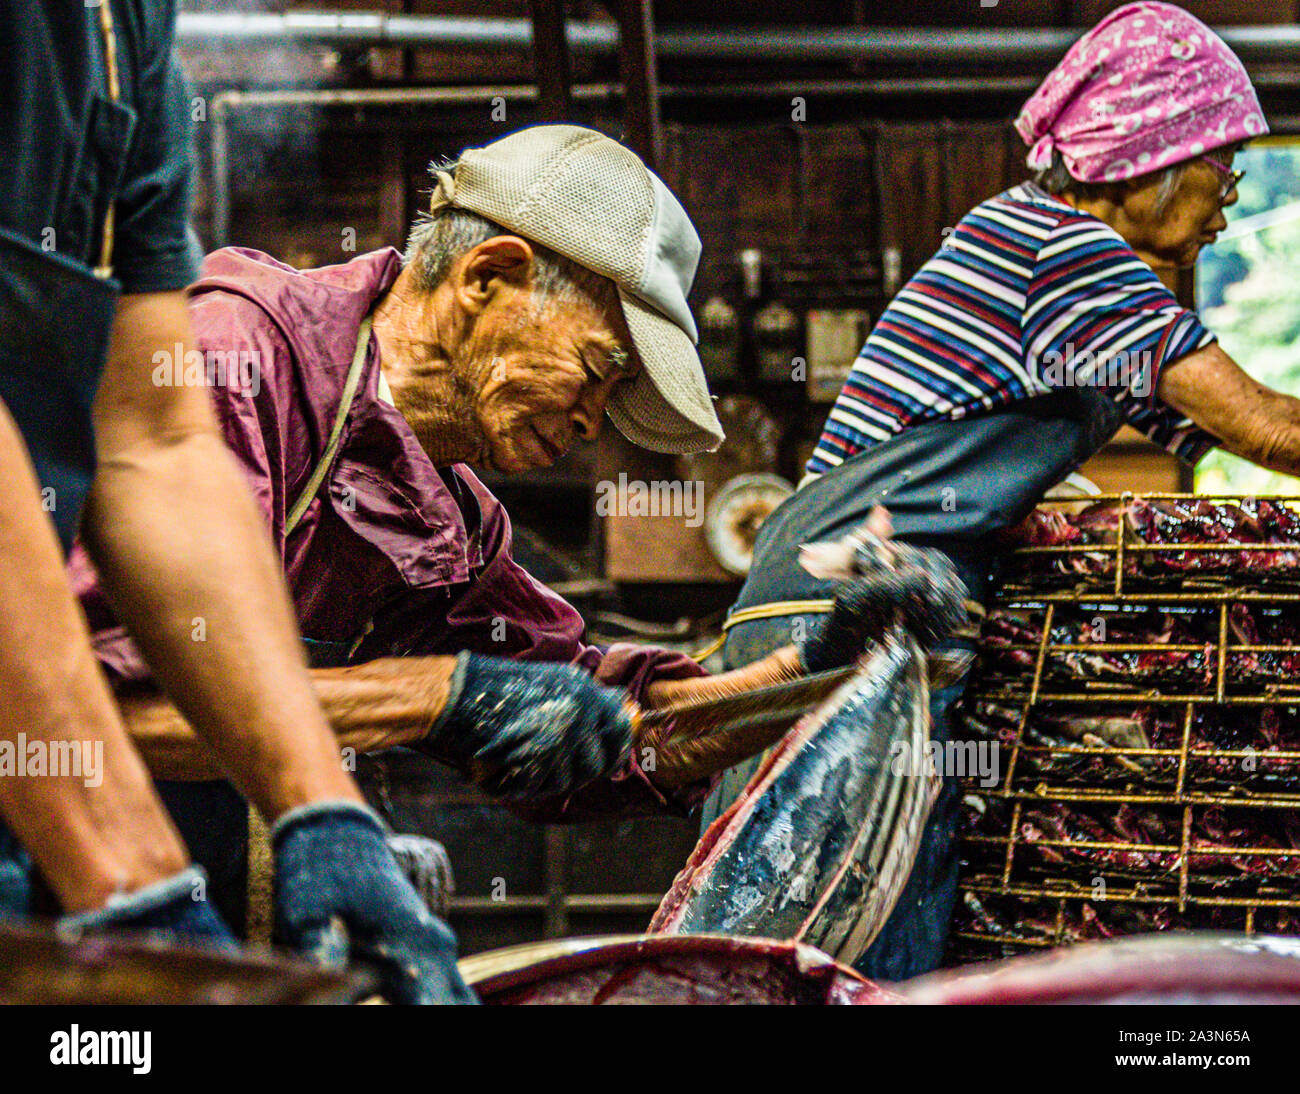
(113, 79)
(259, 914)
(774, 610)
(778, 608)
(336, 433)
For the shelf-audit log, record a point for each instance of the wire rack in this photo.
(1130, 561)
(1088, 838)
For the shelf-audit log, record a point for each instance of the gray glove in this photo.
(176, 906)
(426, 865)
(523, 729)
(894, 582)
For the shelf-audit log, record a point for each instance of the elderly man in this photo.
(546, 287)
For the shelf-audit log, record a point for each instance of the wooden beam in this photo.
(551, 60)
(639, 72)
(394, 214)
(555, 869)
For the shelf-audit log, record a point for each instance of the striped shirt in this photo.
(1026, 295)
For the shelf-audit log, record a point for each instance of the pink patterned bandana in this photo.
(1148, 87)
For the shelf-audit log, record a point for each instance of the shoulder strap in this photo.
(258, 912)
(114, 88)
(336, 433)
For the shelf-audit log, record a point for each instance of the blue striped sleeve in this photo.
(1097, 315)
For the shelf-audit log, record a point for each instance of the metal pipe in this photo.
(461, 94)
(345, 29)
(224, 103)
(865, 45)
(862, 44)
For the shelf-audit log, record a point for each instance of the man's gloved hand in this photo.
(524, 729)
(176, 905)
(893, 582)
(340, 897)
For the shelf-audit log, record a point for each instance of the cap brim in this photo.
(667, 406)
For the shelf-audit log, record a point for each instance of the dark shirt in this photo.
(67, 151)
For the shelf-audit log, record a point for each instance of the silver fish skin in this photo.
(820, 843)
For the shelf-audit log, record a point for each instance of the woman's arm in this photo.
(1249, 419)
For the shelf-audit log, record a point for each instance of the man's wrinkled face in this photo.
(544, 376)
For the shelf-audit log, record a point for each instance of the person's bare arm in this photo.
(185, 560)
(378, 705)
(392, 702)
(102, 832)
(1249, 419)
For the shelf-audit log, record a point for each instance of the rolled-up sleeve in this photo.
(506, 612)
(630, 791)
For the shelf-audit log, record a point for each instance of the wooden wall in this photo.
(313, 186)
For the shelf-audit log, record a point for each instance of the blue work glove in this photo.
(340, 897)
(892, 582)
(525, 729)
(176, 905)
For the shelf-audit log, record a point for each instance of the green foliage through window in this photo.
(1248, 293)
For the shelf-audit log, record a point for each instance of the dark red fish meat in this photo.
(666, 969)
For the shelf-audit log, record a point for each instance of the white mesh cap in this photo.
(590, 199)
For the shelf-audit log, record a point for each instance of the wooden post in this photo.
(639, 72)
(555, 849)
(551, 60)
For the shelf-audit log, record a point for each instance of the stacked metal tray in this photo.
(1139, 684)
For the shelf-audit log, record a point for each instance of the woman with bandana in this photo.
(1039, 328)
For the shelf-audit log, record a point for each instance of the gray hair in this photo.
(1057, 179)
(438, 239)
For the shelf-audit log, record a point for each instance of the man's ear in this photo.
(492, 264)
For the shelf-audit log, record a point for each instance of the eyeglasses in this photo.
(1231, 177)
